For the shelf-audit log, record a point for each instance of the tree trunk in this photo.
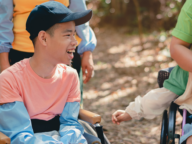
(137, 8)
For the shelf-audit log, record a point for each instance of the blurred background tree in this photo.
(154, 14)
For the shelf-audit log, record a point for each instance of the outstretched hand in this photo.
(120, 116)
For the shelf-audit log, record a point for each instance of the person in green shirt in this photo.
(157, 100)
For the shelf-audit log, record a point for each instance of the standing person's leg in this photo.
(76, 64)
(16, 56)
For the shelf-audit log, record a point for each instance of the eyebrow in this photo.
(68, 30)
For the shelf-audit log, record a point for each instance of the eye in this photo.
(67, 35)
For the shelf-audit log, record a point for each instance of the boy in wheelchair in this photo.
(39, 96)
(157, 100)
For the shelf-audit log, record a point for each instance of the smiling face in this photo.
(61, 43)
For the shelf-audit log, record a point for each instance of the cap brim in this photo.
(78, 17)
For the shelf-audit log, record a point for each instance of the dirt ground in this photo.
(123, 71)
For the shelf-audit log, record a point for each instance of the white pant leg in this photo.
(152, 104)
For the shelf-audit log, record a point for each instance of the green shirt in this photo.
(177, 81)
(178, 78)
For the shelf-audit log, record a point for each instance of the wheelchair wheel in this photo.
(171, 125)
(164, 128)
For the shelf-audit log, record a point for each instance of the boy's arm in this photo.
(148, 106)
(181, 54)
(84, 31)
(16, 124)
(6, 32)
(182, 38)
(71, 130)
(14, 118)
(88, 43)
(152, 104)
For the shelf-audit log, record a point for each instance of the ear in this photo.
(42, 38)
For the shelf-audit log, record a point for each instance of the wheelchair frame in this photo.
(168, 135)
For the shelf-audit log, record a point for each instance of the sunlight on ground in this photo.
(123, 71)
(115, 95)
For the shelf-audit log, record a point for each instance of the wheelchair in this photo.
(90, 122)
(168, 135)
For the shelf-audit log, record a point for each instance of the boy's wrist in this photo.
(4, 57)
(132, 113)
(127, 116)
(4, 61)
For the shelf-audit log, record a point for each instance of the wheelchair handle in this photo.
(184, 120)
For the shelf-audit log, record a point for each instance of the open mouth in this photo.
(70, 54)
(70, 51)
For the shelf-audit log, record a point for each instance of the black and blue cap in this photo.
(45, 15)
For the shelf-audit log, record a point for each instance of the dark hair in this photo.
(50, 31)
(33, 41)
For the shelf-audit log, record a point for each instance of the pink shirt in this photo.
(43, 98)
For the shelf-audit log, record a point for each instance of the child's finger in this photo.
(119, 118)
(114, 121)
(116, 114)
(114, 117)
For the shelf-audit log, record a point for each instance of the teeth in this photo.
(71, 51)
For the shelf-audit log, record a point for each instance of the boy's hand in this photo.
(119, 116)
(87, 66)
(4, 61)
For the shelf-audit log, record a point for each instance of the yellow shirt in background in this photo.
(22, 9)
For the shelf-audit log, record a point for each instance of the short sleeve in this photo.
(177, 81)
(8, 88)
(183, 29)
(74, 94)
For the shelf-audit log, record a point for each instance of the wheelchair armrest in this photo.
(89, 116)
(4, 139)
